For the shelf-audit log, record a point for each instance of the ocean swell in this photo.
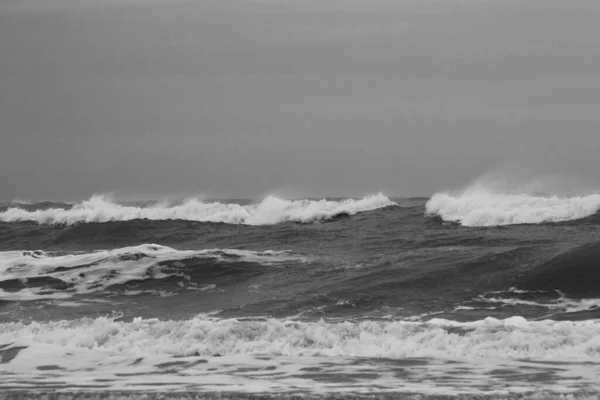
(271, 210)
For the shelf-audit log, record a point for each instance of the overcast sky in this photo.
(301, 97)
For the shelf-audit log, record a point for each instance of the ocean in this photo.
(472, 294)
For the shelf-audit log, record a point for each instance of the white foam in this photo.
(513, 337)
(560, 304)
(95, 271)
(280, 355)
(271, 210)
(480, 206)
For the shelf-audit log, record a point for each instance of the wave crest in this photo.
(271, 210)
(483, 207)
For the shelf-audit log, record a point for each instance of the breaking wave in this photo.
(271, 210)
(514, 337)
(479, 206)
(441, 357)
(32, 275)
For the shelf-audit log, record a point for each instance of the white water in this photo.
(283, 354)
(563, 304)
(271, 210)
(480, 206)
(95, 271)
(514, 337)
(554, 301)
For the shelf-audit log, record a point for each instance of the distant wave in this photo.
(271, 210)
(32, 275)
(479, 206)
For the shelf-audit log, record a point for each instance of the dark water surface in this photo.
(390, 262)
(385, 283)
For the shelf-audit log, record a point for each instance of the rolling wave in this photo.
(32, 275)
(478, 206)
(271, 210)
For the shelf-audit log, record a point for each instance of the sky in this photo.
(232, 98)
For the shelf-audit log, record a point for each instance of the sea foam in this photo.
(514, 337)
(96, 271)
(279, 356)
(479, 206)
(271, 210)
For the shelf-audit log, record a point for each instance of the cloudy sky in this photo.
(235, 98)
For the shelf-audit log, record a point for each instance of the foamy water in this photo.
(376, 280)
(478, 206)
(513, 337)
(285, 355)
(95, 271)
(271, 210)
